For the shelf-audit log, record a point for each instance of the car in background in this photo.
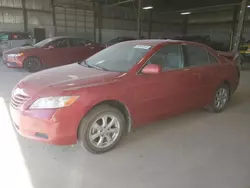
(119, 39)
(205, 40)
(51, 52)
(9, 40)
(245, 52)
(123, 86)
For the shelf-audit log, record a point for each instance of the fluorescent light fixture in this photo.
(185, 13)
(248, 6)
(148, 7)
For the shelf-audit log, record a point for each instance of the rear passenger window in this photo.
(168, 57)
(60, 43)
(212, 59)
(195, 56)
(77, 42)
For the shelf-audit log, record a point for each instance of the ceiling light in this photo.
(248, 6)
(148, 7)
(185, 13)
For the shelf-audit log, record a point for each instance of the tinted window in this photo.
(195, 56)
(61, 43)
(44, 43)
(169, 57)
(78, 42)
(118, 58)
(212, 59)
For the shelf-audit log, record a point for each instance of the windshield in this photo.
(44, 42)
(118, 58)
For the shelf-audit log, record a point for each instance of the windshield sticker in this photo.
(145, 47)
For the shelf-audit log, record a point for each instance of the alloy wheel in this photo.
(104, 131)
(221, 98)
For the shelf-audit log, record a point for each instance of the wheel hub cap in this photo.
(221, 98)
(104, 131)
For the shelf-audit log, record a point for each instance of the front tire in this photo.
(33, 64)
(101, 129)
(221, 99)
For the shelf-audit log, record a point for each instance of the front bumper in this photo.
(49, 126)
(12, 62)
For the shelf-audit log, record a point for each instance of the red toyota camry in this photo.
(126, 85)
(51, 52)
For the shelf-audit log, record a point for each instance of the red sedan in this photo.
(126, 85)
(50, 52)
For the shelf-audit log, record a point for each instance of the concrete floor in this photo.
(195, 150)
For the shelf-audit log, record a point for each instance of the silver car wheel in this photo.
(221, 98)
(104, 131)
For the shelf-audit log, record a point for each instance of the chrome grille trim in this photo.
(18, 100)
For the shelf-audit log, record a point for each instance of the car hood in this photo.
(66, 78)
(19, 49)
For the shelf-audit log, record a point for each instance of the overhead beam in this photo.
(119, 3)
(202, 9)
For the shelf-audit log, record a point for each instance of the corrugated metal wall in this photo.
(77, 17)
(71, 21)
(120, 21)
(11, 16)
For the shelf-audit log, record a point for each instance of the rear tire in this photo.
(221, 99)
(101, 129)
(33, 64)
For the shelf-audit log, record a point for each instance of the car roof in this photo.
(73, 37)
(155, 42)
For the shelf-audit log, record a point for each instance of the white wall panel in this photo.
(12, 16)
(39, 4)
(11, 27)
(60, 16)
(11, 3)
(39, 18)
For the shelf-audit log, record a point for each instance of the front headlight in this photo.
(15, 55)
(53, 102)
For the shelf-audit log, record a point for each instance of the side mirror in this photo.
(152, 69)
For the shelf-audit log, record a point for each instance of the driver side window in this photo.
(168, 57)
(61, 43)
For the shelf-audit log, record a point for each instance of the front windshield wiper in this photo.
(84, 63)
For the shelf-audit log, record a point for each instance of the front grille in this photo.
(18, 100)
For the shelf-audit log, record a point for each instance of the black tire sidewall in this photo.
(88, 120)
(32, 68)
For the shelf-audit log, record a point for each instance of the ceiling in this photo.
(173, 5)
